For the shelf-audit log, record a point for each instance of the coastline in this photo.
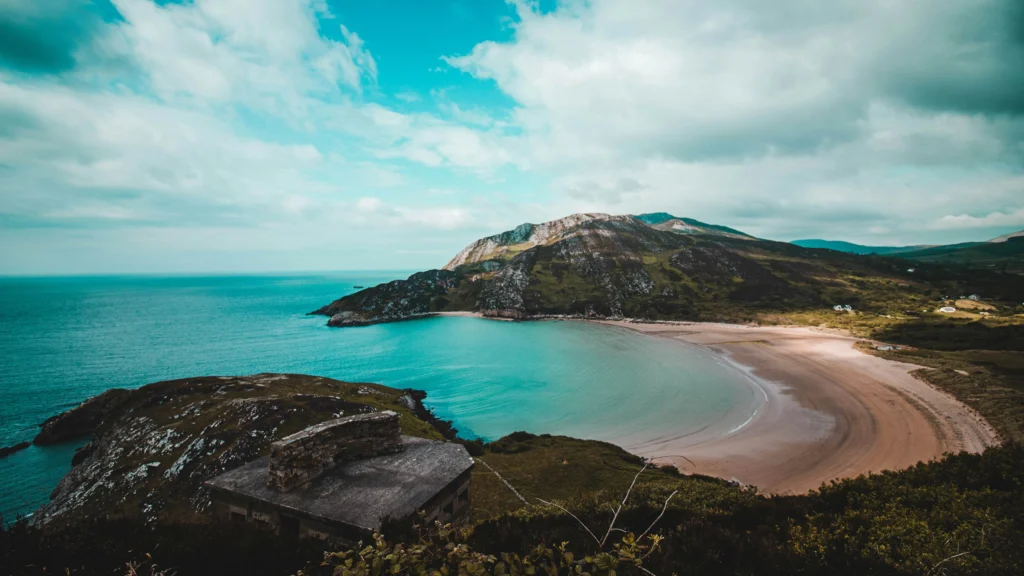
(830, 410)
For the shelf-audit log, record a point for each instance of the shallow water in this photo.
(66, 339)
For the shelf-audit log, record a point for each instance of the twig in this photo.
(663, 508)
(574, 517)
(510, 487)
(941, 562)
(623, 503)
(646, 571)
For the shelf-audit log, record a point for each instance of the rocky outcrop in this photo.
(6, 451)
(82, 420)
(525, 236)
(149, 455)
(420, 295)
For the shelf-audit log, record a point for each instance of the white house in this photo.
(947, 309)
(974, 297)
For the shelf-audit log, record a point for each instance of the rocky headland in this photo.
(152, 448)
(656, 267)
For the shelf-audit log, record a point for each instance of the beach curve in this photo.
(830, 411)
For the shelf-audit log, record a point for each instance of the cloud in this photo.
(440, 217)
(693, 81)
(45, 36)
(779, 117)
(267, 123)
(990, 220)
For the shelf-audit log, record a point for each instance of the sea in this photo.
(63, 340)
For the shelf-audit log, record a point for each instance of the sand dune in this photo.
(831, 411)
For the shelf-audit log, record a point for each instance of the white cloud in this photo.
(265, 53)
(990, 220)
(439, 217)
(788, 118)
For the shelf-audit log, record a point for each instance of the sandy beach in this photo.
(830, 411)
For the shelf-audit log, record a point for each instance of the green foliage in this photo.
(444, 552)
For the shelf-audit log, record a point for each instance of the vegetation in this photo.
(961, 515)
(1006, 256)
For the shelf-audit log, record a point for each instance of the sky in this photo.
(277, 135)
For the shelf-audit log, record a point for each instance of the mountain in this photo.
(1006, 237)
(851, 248)
(598, 265)
(506, 245)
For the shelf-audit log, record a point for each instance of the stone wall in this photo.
(301, 457)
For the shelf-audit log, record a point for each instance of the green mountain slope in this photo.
(1005, 254)
(850, 247)
(620, 266)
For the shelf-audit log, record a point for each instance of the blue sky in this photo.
(247, 135)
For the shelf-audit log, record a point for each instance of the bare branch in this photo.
(663, 508)
(574, 517)
(510, 487)
(623, 503)
(646, 571)
(941, 562)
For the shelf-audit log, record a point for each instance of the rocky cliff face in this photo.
(419, 295)
(151, 452)
(525, 236)
(653, 266)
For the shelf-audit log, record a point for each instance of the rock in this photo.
(8, 450)
(82, 420)
(154, 447)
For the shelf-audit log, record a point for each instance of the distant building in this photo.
(842, 308)
(341, 479)
(947, 309)
(911, 270)
(887, 348)
(974, 297)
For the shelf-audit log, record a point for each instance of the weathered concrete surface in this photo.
(359, 493)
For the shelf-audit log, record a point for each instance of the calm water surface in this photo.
(63, 340)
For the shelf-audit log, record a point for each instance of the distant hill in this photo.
(1007, 254)
(666, 221)
(1006, 237)
(851, 248)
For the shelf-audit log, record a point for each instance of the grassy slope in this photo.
(1008, 255)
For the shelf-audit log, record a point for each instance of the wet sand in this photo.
(829, 411)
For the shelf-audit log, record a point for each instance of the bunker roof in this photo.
(359, 493)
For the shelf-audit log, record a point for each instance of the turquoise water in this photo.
(66, 339)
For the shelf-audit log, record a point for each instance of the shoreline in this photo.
(831, 411)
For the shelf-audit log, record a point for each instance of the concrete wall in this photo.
(452, 503)
(301, 457)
